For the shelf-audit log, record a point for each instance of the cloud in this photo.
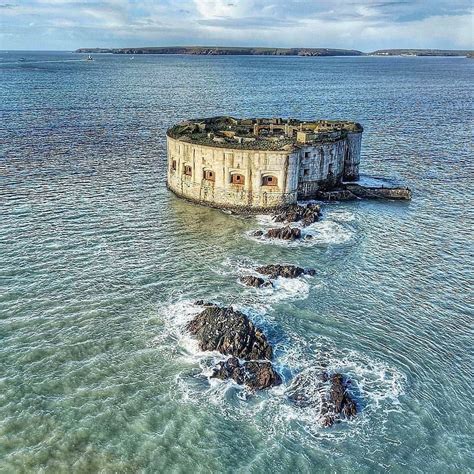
(363, 24)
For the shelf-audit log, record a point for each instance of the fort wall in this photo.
(232, 178)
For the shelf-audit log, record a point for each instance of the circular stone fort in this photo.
(260, 164)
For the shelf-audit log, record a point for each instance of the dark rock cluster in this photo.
(273, 272)
(285, 271)
(256, 282)
(256, 375)
(307, 215)
(326, 392)
(284, 233)
(229, 332)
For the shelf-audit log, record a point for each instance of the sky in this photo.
(366, 25)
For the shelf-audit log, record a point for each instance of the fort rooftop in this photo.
(261, 133)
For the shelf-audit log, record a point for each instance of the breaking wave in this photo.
(332, 229)
(282, 289)
(375, 385)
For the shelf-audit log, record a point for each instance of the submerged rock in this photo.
(204, 303)
(285, 271)
(258, 233)
(284, 233)
(254, 281)
(307, 215)
(328, 392)
(229, 332)
(256, 375)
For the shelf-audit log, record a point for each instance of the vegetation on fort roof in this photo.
(261, 133)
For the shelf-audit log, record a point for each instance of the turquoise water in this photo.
(100, 264)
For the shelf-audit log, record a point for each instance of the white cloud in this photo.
(363, 24)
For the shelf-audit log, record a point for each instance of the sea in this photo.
(100, 266)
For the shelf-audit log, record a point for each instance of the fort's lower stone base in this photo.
(237, 208)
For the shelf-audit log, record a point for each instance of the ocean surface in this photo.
(100, 265)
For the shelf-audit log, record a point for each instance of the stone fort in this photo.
(260, 164)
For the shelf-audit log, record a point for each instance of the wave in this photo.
(282, 289)
(332, 229)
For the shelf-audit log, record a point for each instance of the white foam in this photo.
(332, 229)
(374, 384)
(174, 336)
(281, 289)
(340, 215)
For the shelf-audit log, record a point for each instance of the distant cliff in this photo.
(223, 51)
(226, 51)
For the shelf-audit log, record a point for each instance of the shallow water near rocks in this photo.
(100, 266)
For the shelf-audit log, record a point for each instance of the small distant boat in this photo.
(132, 57)
(22, 60)
(90, 58)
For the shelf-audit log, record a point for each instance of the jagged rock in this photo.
(295, 213)
(229, 332)
(258, 233)
(284, 233)
(256, 375)
(337, 402)
(286, 271)
(328, 392)
(204, 303)
(254, 281)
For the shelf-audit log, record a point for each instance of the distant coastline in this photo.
(226, 51)
(248, 51)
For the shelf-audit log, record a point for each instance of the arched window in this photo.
(269, 181)
(173, 165)
(237, 178)
(209, 175)
(188, 171)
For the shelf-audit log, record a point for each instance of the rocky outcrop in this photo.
(285, 271)
(229, 332)
(256, 375)
(337, 403)
(307, 215)
(254, 281)
(284, 233)
(328, 392)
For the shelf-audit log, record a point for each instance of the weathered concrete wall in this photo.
(321, 166)
(352, 156)
(298, 174)
(252, 165)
